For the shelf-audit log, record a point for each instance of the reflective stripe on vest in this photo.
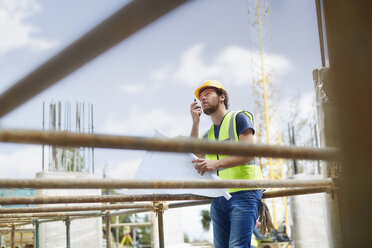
(228, 132)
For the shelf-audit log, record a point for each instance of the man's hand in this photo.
(195, 110)
(205, 165)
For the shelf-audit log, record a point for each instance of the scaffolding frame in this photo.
(346, 23)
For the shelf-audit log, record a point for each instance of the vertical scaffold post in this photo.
(108, 229)
(68, 223)
(325, 99)
(12, 233)
(349, 38)
(161, 228)
(117, 229)
(36, 234)
(159, 207)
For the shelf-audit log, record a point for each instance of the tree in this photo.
(144, 231)
(302, 131)
(205, 220)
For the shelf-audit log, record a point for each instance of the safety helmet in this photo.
(207, 84)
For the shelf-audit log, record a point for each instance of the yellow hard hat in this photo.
(207, 84)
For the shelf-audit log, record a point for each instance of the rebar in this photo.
(166, 145)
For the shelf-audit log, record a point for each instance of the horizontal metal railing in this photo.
(31, 200)
(74, 208)
(166, 145)
(155, 184)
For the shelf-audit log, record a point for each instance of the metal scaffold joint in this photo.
(160, 206)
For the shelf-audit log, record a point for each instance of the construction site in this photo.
(77, 173)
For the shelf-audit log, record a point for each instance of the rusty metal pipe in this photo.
(131, 224)
(108, 229)
(166, 145)
(148, 207)
(161, 229)
(24, 230)
(278, 193)
(189, 203)
(51, 215)
(68, 232)
(58, 216)
(122, 24)
(12, 234)
(73, 208)
(154, 184)
(269, 194)
(320, 31)
(155, 197)
(295, 191)
(95, 199)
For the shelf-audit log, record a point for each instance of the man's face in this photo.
(210, 101)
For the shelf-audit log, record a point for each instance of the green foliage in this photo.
(205, 220)
(186, 238)
(144, 231)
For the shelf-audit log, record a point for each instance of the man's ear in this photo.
(222, 97)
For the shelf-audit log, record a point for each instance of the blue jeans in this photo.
(234, 219)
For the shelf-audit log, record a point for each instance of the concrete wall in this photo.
(309, 218)
(83, 233)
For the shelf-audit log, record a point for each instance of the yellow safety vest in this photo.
(252, 170)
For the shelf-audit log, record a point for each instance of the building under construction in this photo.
(343, 92)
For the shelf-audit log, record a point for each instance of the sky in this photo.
(147, 81)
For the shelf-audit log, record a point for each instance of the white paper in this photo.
(175, 166)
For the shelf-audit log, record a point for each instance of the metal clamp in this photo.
(159, 206)
(336, 186)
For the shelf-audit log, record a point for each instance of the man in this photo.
(234, 219)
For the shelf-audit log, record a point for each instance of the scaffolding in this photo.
(345, 22)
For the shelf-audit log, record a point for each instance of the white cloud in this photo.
(233, 64)
(22, 163)
(138, 121)
(132, 88)
(15, 32)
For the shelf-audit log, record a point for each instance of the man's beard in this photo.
(211, 109)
